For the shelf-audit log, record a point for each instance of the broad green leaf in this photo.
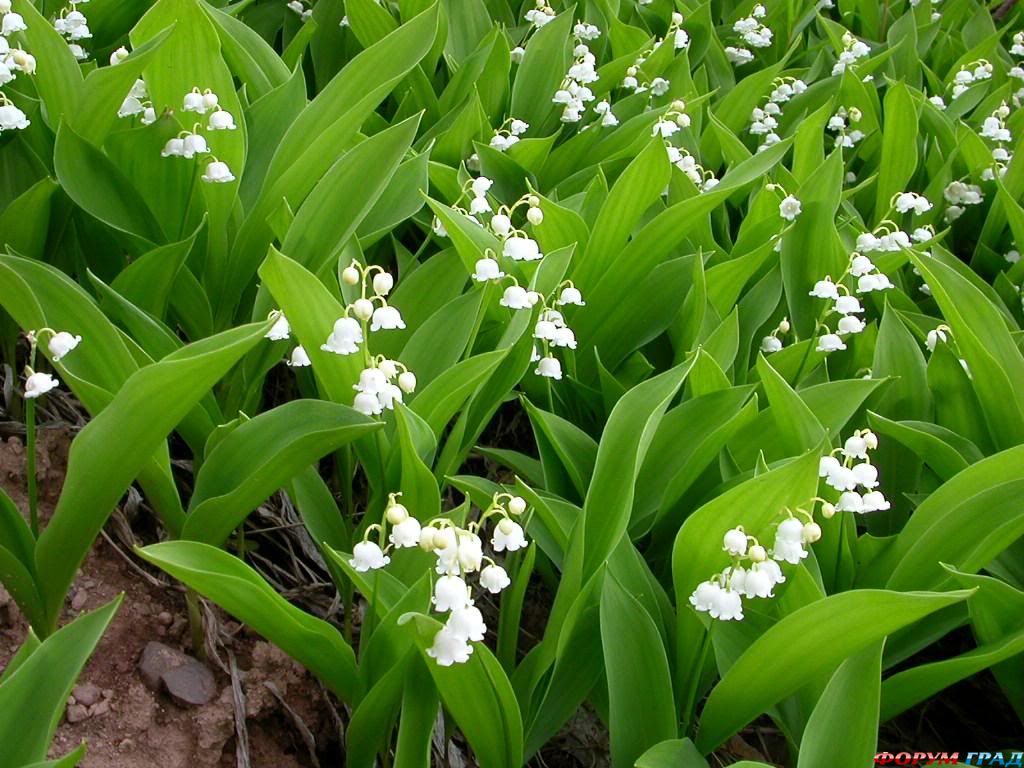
(994, 360)
(899, 146)
(243, 593)
(39, 689)
(59, 79)
(332, 212)
(810, 642)
(109, 452)
(261, 456)
(478, 695)
(95, 183)
(639, 682)
(675, 753)
(620, 454)
(847, 714)
(965, 522)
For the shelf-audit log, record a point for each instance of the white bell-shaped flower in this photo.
(521, 249)
(193, 102)
(449, 648)
(12, 118)
(61, 343)
(570, 295)
(217, 172)
(842, 479)
(480, 186)
(850, 324)
(705, 595)
(508, 534)
(861, 265)
(221, 121)
(770, 344)
(479, 205)
(493, 578)
(368, 556)
(467, 623)
(735, 542)
(727, 606)
(866, 475)
(390, 395)
(564, 337)
(299, 358)
(280, 330)
(174, 147)
(759, 580)
(874, 501)
(825, 289)
(367, 404)
(12, 22)
(39, 384)
(129, 107)
(386, 318)
(119, 55)
(345, 338)
(470, 552)
(406, 533)
(516, 297)
(830, 342)
(194, 144)
(535, 216)
(789, 541)
(487, 269)
(827, 465)
(789, 208)
(850, 501)
(545, 330)
(372, 381)
(501, 224)
(848, 305)
(149, 116)
(855, 447)
(450, 592)
(549, 368)
(877, 282)
(934, 337)
(78, 51)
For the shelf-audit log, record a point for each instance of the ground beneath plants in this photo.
(276, 715)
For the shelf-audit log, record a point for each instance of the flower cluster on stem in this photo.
(460, 552)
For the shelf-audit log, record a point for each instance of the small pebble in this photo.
(100, 708)
(86, 694)
(79, 600)
(77, 713)
(165, 618)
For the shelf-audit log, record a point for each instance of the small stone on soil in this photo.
(157, 659)
(191, 685)
(79, 600)
(77, 713)
(86, 694)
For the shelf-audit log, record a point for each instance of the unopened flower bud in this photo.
(407, 381)
(757, 553)
(812, 532)
(784, 326)
(350, 276)
(363, 309)
(396, 513)
(535, 216)
(517, 505)
(828, 510)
